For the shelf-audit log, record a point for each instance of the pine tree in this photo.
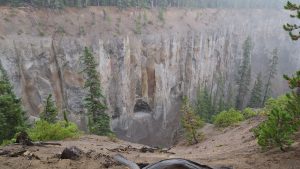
(230, 98)
(256, 93)
(283, 122)
(203, 105)
(277, 130)
(293, 29)
(272, 70)
(12, 117)
(294, 103)
(191, 122)
(99, 121)
(220, 100)
(244, 74)
(50, 112)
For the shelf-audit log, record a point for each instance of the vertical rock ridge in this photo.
(159, 69)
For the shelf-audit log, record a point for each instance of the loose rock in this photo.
(72, 153)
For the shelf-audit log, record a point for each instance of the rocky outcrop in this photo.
(145, 76)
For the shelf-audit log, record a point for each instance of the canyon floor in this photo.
(233, 147)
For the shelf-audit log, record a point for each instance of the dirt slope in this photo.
(234, 147)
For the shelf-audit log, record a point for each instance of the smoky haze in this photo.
(277, 4)
(150, 55)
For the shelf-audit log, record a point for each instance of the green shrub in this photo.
(7, 142)
(112, 137)
(227, 118)
(248, 113)
(280, 103)
(44, 130)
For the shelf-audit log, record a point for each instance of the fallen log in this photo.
(153, 150)
(4, 152)
(17, 153)
(45, 144)
(143, 149)
(147, 149)
(177, 163)
(122, 149)
(39, 143)
(23, 139)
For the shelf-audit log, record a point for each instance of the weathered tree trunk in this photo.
(195, 138)
(126, 162)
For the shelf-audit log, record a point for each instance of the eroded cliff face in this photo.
(144, 76)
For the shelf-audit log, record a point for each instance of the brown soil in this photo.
(234, 146)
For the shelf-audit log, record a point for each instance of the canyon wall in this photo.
(144, 76)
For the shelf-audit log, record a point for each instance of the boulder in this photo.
(72, 153)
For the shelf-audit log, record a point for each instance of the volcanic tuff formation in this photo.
(143, 75)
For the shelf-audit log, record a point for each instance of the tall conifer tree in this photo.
(244, 74)
(191, 122)
(256, 93)
(50, 111)
(99, 121)
(12, 117)
(204, 104)
(272, 70)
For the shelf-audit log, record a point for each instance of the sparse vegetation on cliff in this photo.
(121, 4)
(161, 16)
(138, 24)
